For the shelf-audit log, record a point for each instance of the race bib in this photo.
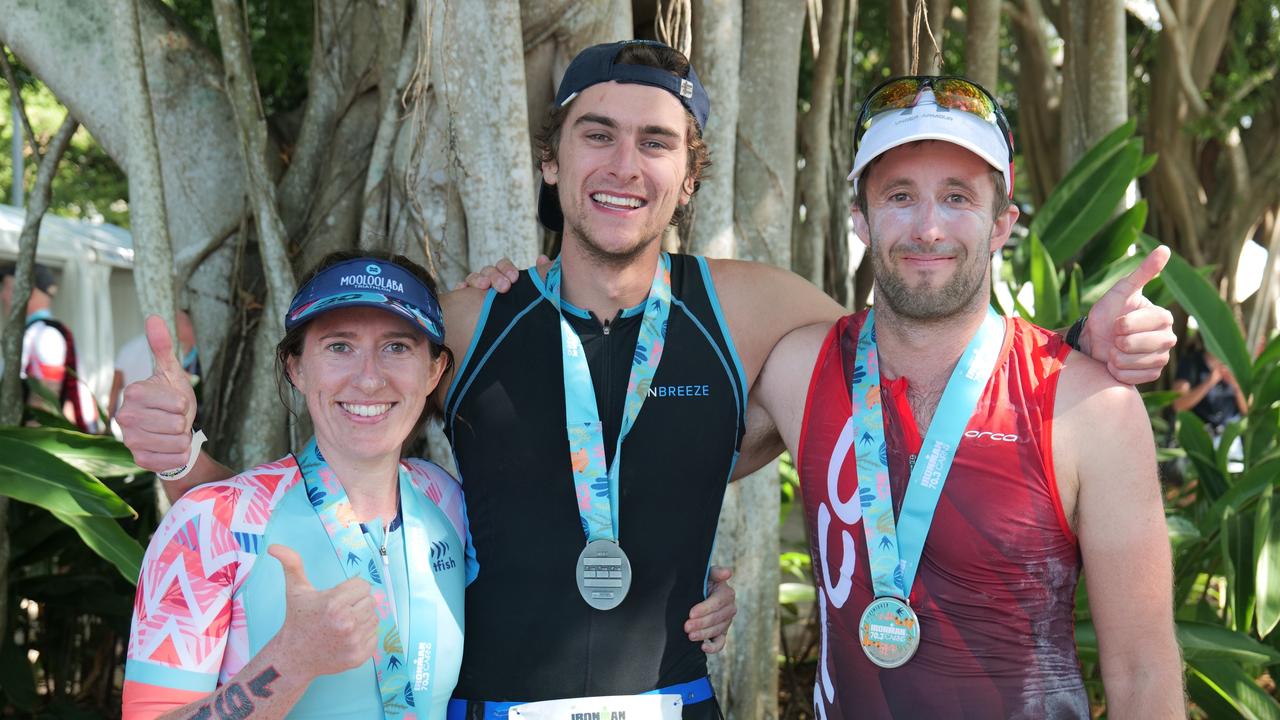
(608, 707)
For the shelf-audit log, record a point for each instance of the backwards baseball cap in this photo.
(952, 109)
(597, 65)
(41, 275)
(369, 282)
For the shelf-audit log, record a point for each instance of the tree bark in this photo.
(1108, 103)
(764, 186)
(1039, 92)
(63, 43)
(982, 43)
(265, 417)
(479, 75)
(717, 47)
(1073, 140)
(812, 183)
(899, 37)
(153, 266)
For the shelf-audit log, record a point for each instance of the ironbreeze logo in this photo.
(440, 560)
(998, 437)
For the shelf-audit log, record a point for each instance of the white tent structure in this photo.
(96, 298)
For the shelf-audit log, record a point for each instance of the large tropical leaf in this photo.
(1044, 280)
(105, 537)
(1193, 438)
(1236, 542)
(1114, 241)
(1217, 325)
(1266, 550)
(1101, 281)
(30, 474)
(1204, 642)
(98, 455)
(1078, 177)
(1237, 688)
(1255, 479)
(1093, 203)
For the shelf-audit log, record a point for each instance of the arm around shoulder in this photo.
(763, 303)
(1104, 459)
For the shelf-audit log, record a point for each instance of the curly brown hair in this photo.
(547, 140)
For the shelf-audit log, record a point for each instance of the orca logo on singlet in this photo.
(664, 391)
(440, 558)
(998, 437)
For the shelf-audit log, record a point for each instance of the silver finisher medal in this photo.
(604, 574)
(889, 632)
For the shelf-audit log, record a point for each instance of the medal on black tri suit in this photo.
(889, 630)
(604, 572)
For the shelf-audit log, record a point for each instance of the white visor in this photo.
(926, 121)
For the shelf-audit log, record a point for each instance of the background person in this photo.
(49, 351)
(369, 550)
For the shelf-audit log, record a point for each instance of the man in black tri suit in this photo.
(621, 154)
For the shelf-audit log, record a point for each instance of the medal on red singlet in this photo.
(889, 630)
(604, 572)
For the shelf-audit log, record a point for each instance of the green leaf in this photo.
(34, 476)
(44, 418)
(1089, 203)
(1044, 279)
(105, 537)
(1236, 541)
(1193, 438)
(1079, 175)
(790, 593)
(1266, 548)
(1181, 530)
(1234, 685)
(1254, 480)
(1114, 241)
(1203, 642)
(1159, 399)
(1270, 356)
(1217, 325)
(1101, 281)
(98, 455)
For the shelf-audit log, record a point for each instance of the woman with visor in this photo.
(358, 611)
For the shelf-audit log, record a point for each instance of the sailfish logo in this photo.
(440, 558)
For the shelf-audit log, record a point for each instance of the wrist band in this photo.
(1073, 335)
(197, 441)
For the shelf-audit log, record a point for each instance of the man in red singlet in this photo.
(1053, 473)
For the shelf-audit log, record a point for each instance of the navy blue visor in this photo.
(369, 282)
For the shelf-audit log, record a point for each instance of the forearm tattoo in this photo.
(231, 702)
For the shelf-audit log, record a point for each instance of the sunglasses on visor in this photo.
(955, 93)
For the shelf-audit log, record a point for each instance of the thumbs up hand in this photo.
(157, 413)
(325, 631)
(1126, 331)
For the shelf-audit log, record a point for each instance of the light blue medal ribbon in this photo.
(596, 481)
(398, 681)
(889, 628)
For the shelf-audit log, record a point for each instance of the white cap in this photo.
(926, 121)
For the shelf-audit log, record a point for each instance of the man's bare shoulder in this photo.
(763, 303)
(783, 387)
(1087, 386)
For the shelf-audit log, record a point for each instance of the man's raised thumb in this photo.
(295, 575)
(161, 342)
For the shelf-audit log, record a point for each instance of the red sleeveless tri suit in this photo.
(996, 584)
